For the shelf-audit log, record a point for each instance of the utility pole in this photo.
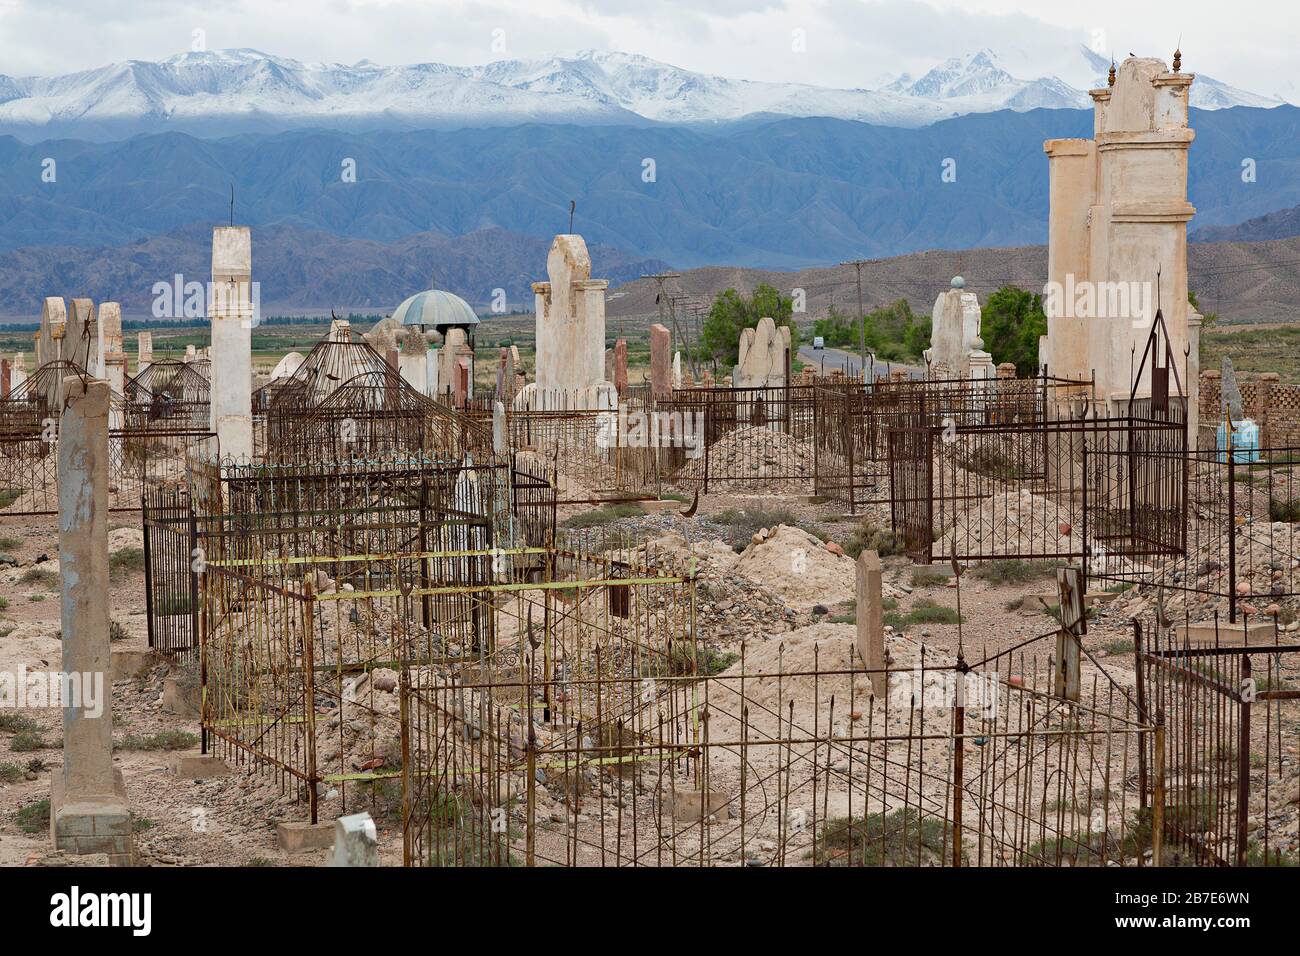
(862, 318)
(660, 278)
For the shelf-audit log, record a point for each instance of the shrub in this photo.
(40, 577)
(926, 577)
(11, 723)
(27, 742)
(1284, 510)
(603, 515)
(901, 838)
(125, 561)
(34, 817)
(746, 522)
(702, 660)
(165, 740)
(924, 611)
(869, 536)
(1015, 570)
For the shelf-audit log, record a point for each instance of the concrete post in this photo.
(17, 372)
(144, 351)
(115, 367)
(231, 310)
(871, 624)
(620, 366)
(660, 361)
(461, 390)
(88, 808)
(356, 842)
(412, 361)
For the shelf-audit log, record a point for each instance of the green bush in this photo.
(27, 742)
(1284, 510)
(1015, 570)
(928, 577)
(604, 515)
(34, 817)
(869, 536)
(11, 723)
(41, 577)
(924, 611)
(125, 561)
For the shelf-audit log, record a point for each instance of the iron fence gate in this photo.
(171, 584)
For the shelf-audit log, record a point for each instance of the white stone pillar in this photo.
(17, 372)
(144, 353)
(231, 310)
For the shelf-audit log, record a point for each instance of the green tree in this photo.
(1207, 318)
(1011, 324)
(893, 333)
(733, 312)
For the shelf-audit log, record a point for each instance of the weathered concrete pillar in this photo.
(620, 366)
(570, 334)
(115, 367)
(88, 808)
(17, 372)
(81, 337)
(660, 361)
(356, 842)
(677, 370)
(461, 389)
(871, 623)
(144, 351)
(232, 312)
(412, 359)
(431, 372)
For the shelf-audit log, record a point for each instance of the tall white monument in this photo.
(570, 332)
(1119, 214)
(231, 311)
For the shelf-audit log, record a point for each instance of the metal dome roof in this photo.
(435, 308)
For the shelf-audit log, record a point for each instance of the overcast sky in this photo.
(849, 43)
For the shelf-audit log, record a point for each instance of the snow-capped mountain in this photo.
(1089, 68)
(224, 92)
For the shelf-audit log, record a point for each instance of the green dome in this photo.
(435, 309)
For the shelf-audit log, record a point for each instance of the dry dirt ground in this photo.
(760, 597)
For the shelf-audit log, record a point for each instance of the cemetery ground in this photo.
(778, 578)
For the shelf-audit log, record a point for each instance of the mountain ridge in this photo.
(226, 92)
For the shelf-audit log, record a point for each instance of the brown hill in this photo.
(1242, 281)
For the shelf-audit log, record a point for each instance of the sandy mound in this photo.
(1014, 523)
(797, 566)
(756, 457)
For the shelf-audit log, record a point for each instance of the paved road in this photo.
(850, 362)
